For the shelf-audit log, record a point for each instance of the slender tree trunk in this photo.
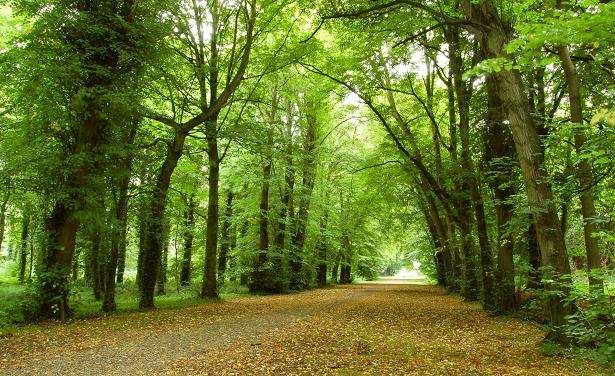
(118, 226)
(23, 256)
(336, 267)
(323, 245)
(186, 270)
(3, 208)
(470, 180)
(225, 245)
(95, 267)
(262, 278)
(164, 259)
(210, 281)
(584, 169)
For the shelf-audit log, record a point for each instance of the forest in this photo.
(171, 159)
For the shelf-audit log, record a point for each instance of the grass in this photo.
(17, 301)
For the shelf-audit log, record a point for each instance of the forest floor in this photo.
(375, 329)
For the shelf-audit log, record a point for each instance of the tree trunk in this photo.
(164, 260)
(262, 277)
(154, 223)
(583, 170)
(470, 182)
(499, 156)
(323, 245)
(3, 207)
(336, 267)
(95, 265)
(493, 37)
(118, 226)
(300, 220)
(23, 256)
(210, 281)
(186, 269)
(226, 240)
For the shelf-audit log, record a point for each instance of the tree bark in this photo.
(154, 223)
(119, 226)
(583, 170)
(186, 268)
(3, 208)
(493, 37)
(300, 219)
(323, 245)
(95, 265)
(23, 256)
(226, 241)
(210, 281)
(499, 156)
(470, 182)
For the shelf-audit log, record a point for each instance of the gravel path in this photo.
(387, 328)
(147, 351)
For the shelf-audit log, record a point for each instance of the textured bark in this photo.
(210, 280)
(346, 259)
(493, 37)
(186, 268)
(104, 71)
(499, 156)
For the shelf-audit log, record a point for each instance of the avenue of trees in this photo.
(283, 145)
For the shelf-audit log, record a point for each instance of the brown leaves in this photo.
(360, 329)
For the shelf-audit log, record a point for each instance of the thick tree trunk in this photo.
(186, 268)
(300, 220)
(583, 170)
(210, 281)
(226, 241)
(23, 256)
(499, 156)
(154, 223)
(493, 37)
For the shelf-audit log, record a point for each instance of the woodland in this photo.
(170, 153)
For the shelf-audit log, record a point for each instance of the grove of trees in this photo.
(282, 145)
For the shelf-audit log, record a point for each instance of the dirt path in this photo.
(361, 329)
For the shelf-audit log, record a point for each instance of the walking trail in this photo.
(375, 329)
